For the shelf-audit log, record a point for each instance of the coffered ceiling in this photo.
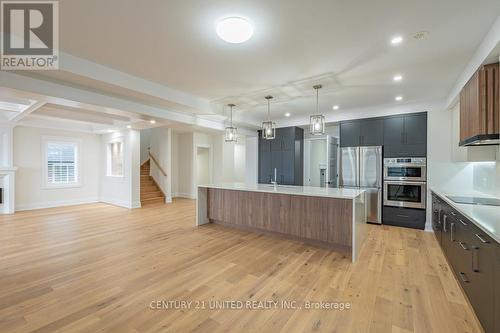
(344, 45)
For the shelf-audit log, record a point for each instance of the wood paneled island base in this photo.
(333, 218)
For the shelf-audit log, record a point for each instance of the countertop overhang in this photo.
(327, 192)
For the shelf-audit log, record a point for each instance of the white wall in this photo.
(145, 144)
(202, 165)
(240, 160)
(122, 191)
(228, 161)
(30, 193)
(458, 169)
(6, 138)
(251, 159)
(185, 181)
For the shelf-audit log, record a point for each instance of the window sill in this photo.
(61, 186)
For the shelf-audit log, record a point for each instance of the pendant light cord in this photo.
(268, 110)
(317, 100)
(317, 87)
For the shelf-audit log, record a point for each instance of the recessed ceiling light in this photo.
(110, 131)
(397, 77)
(234, 30)
(152, 121)
(398, 98)
(287, 114)
(335, 107)
(396, 40)
(129, 126)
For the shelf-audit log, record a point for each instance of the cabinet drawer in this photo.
(404, 217)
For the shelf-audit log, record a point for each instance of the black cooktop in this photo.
(475, 200)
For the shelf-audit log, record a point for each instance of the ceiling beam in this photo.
(19, 116)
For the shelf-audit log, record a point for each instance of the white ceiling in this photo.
(174, 43)
(177, 63)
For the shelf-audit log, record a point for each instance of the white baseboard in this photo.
(121, 203)
(58, 203)
(184, 195)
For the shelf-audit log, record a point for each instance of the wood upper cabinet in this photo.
(479, 104)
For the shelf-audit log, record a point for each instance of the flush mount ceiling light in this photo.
(317, 121)
(287, 114)
(230, 132)
(335, 107)
(268, 127)
(396, 40)
(397, 78)
(129, 126)
(398, 98)
(152, 121)
(234, 29)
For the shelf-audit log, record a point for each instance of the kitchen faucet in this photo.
(275, 182)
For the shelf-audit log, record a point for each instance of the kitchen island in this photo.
(330, 217)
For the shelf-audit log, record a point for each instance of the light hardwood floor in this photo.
(97, 268)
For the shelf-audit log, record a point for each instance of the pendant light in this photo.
(230, 133)
(317, 121)
(268, 127)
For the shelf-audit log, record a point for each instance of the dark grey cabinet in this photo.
(405, 135)
(350, 132)
(285, 154)
(265, 166)
(475, 261)
(364, 132)
(404, 217)
(372, 132)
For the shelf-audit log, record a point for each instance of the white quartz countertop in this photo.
(487, 218)
(339, 193)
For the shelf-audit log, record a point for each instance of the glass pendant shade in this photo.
(230, 133)
(317, 121)
(268, 127)
(317, 124)
(268, 130)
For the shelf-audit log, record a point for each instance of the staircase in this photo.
(150, 192)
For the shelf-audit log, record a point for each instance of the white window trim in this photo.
(108, 157)
(56, 139)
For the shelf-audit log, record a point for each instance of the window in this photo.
(61, 162)
(115, 159)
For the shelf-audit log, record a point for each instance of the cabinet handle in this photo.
(439, 216)
(400, 215)
(481, 238)
(475, 259)
(452, 228)
(445, 218)
(462, 244)
(453, 213)
(406, 137)
(402, 137)
(465, 224)
(463, 277)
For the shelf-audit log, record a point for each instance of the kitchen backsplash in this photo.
(486, 177)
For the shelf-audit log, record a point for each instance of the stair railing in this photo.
(152, 158)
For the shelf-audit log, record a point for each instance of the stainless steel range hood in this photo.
(482, 140)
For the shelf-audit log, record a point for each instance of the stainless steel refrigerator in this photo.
(361, 167)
